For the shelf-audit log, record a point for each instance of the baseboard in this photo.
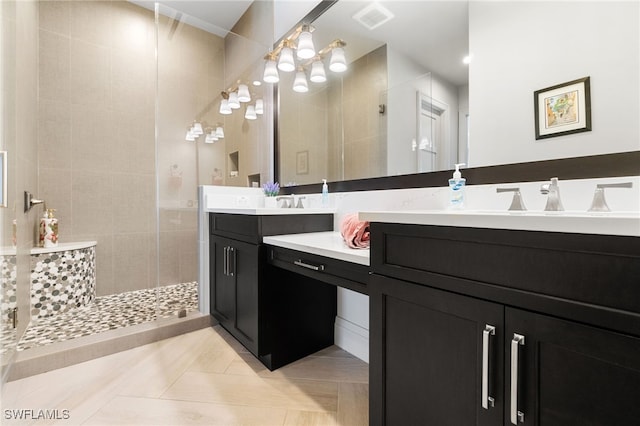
(352, 338)
(46, 358)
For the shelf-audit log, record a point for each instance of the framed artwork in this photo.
(563, 109)
(302, 162)
(3, 179)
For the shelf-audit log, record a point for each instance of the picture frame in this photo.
(302, 162)
(563, 109)
(3, 179)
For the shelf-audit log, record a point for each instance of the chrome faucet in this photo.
(599, 204)
(554, 204)
(287, 201)
(517, 204)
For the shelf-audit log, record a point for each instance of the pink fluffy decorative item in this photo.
(355, 232)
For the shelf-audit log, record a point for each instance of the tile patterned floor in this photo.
(109, 313)
(201, 378)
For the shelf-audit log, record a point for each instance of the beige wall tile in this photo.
(54, 186)
(54, 67)
(132, 261)
(92, 194)
(54, 134)
(169, 259)
(89, 72)
(134, 200)
(92, 135)
(92, 21)
(55, 16)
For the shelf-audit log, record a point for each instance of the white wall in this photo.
(520, 47)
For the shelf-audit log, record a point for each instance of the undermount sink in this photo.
(604, 223)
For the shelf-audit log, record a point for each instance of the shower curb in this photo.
(63, 354)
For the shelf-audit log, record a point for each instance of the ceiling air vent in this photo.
(373, 16)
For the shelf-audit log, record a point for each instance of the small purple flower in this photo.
(271, 189)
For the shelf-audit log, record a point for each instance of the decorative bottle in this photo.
(49, 229)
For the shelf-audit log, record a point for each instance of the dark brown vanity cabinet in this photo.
(273, 314)
(448, 349)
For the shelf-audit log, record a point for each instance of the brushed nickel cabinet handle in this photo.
(487, 401)
(516, 342)
(299, 262)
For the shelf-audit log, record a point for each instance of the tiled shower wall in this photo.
(96, 146)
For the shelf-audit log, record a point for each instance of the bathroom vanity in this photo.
(278, 316)
(486, 326)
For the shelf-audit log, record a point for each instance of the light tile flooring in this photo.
(201, 378)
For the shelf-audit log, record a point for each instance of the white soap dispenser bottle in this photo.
(456, 189)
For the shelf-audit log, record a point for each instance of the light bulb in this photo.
(243, 93)
(234, 103)
(190, 136)
(270, 72)
(196, 129)
(305, 45)
(250, 114)
(338, 61)
(300, 84)
(318, 74)
(225, 109)
(286, 62)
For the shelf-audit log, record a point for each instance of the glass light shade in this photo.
(286, 62)
(305, 46)
(270, 72)
(300, 83)
(234, 103)
(250, 114)
(259, 106)
(243, 93)
(225, 109)
(190, 136)
(208, 139)
(196, 129)
(219, 132)
(318, 74)
(338, 61)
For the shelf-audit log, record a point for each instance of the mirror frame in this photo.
(588, 167)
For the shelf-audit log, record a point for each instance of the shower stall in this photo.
(94, 114)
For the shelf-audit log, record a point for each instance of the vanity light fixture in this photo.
(234, 102)
(225, 109)
(301, 40)
(250, 113)
(243, 93)
(305, 50)
(197, 129)
(259, 106)
(300, 84)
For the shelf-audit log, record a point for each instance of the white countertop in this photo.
(263, 211)
(610, 223)
(327, 244)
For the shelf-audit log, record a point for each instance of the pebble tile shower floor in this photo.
(112, 312)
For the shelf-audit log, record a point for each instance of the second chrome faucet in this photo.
(552, 190)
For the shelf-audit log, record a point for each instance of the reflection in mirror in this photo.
(515, 51)
(395, 110)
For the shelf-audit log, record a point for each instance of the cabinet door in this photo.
(569, 373)
(427, 356)
(222, 291)
(245, 264)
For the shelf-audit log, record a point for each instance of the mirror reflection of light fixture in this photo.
(225, 109)
(270, 71)
(234, 102)
(318, 75)
(300, 84)
(197, 129)
(243, 93)
(250, 113)
(305, 50)
(307, 57)
(286, 62)
(259, 106)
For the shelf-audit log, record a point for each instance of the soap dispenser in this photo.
(325, 193)
(456, 189)
(48, 229)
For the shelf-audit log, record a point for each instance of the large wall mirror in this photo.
(408, 105)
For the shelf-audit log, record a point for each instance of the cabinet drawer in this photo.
(251, 228)
(332, 271)
(598, 270)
